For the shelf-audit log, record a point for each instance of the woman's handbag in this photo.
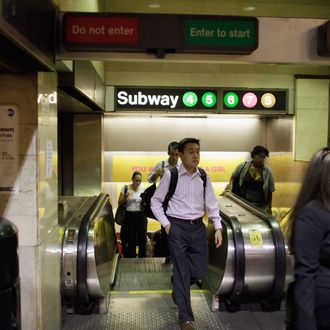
(120, 215)
(121, 211)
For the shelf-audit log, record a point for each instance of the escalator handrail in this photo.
(84, 300)
(280, 258)
(239, 273)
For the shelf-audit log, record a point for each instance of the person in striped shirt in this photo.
(183, 222)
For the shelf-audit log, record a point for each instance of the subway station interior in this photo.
(93, 90)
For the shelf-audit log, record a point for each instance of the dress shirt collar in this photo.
(183, 171)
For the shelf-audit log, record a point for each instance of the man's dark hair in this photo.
(173, 145)
(257, 150)
(185, 141)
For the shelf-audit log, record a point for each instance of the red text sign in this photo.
(101, 30)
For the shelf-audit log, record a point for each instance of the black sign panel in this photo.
(160, 33)
(254, 100)
(323, 39)
(211, 100)
(166, 99)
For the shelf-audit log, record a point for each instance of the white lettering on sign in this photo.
(124, 31)
(102, 30)
(76, 29)
(141, 99)
(239, 34)
(194, 32)
(47, 98)
(218, 33)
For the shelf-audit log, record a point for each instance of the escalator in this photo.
(247, 275)
(89, 253)
(252, 268)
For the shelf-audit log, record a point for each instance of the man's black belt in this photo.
(187, 221)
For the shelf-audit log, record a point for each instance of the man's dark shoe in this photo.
(168, 260)
(187, 325)
(173, 297)
(199, 283)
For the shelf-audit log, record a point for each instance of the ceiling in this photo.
(259, 8)
(147, 62)
(130, 63)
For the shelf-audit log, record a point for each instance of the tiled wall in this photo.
(33, 207)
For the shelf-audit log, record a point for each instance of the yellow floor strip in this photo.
(152, 291)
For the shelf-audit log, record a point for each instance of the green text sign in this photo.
(222, 34)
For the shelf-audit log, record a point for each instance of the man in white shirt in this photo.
(184, 225)
(158, 172)
(162, 166)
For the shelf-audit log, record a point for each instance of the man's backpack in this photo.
(149, 192)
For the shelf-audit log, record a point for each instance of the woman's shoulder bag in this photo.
(121, 211)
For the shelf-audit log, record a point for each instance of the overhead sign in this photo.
(166, 99)
(323, 39)
(211, 100)
(225, 33)
(152, 32)
(254, 100)
(96, 30)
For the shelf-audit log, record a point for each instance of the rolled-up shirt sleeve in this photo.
(159, 197)
(152, 173)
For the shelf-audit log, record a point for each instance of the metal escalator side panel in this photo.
(226, 268)
(276, 248)
(281, 253)
(239, 263)
(70, 220)
(102, 248)
(98, 278)
(69, 259)
(221, 266)
(264, 249)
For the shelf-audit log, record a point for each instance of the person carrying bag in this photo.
(133, 231)
(121, 210)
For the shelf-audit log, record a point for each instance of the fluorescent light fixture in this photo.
(249, 8)
(154, 5)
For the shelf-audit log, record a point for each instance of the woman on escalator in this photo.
(253, 180)
(134, 230)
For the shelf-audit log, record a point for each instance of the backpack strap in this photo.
(174, 181)
(172, 187)
(163, 166)
(203, 177)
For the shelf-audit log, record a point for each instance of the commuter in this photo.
(310, 243)
(158, 172)
(134, 229)
(253, 180)
(183, 223)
